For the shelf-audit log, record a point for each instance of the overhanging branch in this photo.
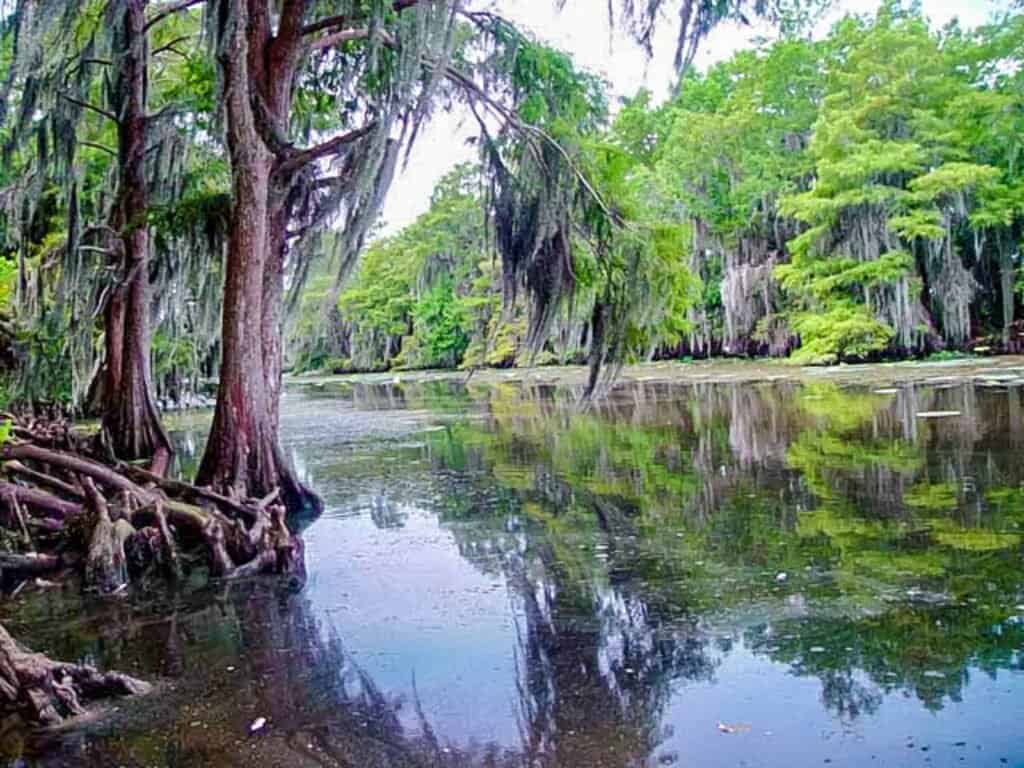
(302, 158)
(169, 10)
(345, 20)
(532, 133)
(339, 37)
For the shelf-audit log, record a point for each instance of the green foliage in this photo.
(438, 327)
(47, 376)
(8, 276)
(853, 197)
(842, 332)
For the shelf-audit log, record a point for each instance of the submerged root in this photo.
(46, 692)
(62, 510)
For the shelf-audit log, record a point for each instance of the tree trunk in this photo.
(273, 304)
(243, 458)
(113, 339)
(131, 423)
(1006, 290)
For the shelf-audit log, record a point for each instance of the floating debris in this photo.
(257, 724)
(937, 414)
(737, 728)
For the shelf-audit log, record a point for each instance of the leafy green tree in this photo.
(894, 185)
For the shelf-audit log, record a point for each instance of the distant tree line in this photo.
(852, 198)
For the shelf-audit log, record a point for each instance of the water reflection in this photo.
(769, 574)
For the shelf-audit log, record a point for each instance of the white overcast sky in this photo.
(582, 30)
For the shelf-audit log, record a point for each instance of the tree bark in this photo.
(49, 505)
(46, 692)
(131, 422)
(243, 457)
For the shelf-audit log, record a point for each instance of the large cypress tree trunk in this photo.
(273, 303)
(242, 455)
(131, 423)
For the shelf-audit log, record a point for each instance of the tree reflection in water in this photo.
(642, 542)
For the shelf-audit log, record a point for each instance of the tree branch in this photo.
(302, 158)
(171, 46)
(101, 147)
(170, 10)
(531, 132)
(328, 23)
(290, 29)
(339, 37)
(86, 105)
(168, 110)
(342, 20)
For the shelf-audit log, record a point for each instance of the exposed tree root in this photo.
(46, 692)
(240, 537)
(62, 510)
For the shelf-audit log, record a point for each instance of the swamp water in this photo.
(749, 573)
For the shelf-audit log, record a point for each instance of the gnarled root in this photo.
(139, 518)
(46, 692)
(106, 566)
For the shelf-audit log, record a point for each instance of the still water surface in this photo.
(732, 574)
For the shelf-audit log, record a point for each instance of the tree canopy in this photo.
(847, 198)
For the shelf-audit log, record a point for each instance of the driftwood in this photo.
(65, 510)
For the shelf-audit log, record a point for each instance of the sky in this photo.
(582, 30)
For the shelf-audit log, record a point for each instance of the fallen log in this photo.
(46, 692)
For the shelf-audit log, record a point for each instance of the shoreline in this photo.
(1004, 370)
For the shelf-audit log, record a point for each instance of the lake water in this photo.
(748, 573)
